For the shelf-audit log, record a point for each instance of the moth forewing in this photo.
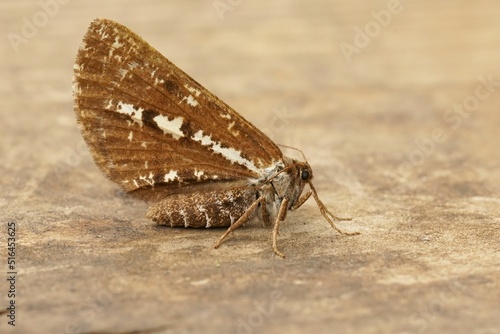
(150, 125)
(163, 137)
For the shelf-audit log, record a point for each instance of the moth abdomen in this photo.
(216, 208)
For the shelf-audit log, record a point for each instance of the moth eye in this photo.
(305, 175)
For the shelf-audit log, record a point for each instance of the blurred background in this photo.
(391, 61)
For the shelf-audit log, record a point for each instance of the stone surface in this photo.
(382, 128)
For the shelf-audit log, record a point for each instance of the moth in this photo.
(167, 140)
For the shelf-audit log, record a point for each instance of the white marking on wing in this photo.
(209, 220)
(204, 140)
(133, 65)
(186, 222)
(235, 133)
(158, 81)
(148, 179)
(129, 109)
(172, 127)
(170, 176)
(198, 174)
(109, 105)
(229, 153)
(130, 135)
(101, 32)
(123, 72)
(193, 90)
(116, 45)
(190, 100)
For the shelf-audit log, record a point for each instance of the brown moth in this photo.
(165, 139)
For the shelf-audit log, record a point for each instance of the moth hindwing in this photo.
(164, 138)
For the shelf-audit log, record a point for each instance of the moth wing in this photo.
(150, 127)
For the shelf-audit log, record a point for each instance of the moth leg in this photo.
(326, 213)
(248, 213)
(280, 218)
(266, 217)
(267, 194)
(302, 200)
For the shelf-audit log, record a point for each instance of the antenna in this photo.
(294, 148)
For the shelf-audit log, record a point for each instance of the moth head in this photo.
(290, 181)
(301, 167)
(298, 174)
(300, 171)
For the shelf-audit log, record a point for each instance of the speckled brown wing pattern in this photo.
(153, 129)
